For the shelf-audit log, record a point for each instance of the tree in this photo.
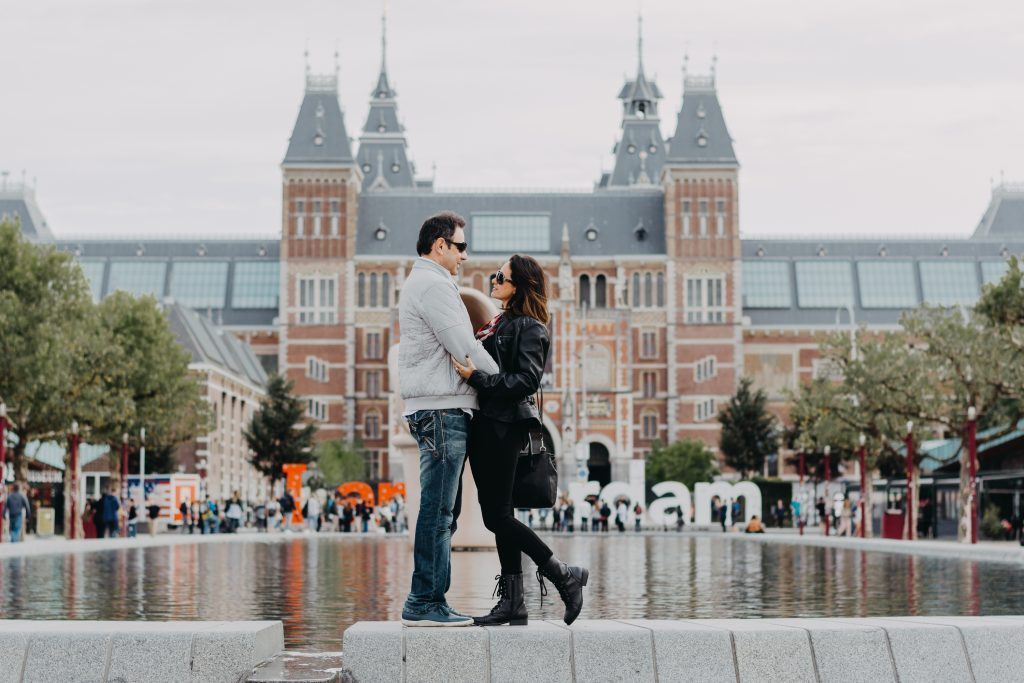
(276, 434)
(340, 462)
(164, 396)
(688, 461)
(748, 430)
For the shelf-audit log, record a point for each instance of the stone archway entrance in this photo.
(599, 464)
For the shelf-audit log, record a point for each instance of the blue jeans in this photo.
(17, 521)
(441, 436)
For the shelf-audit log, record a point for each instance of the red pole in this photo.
(124, 479)
(828, 505)
(73, 478)
(972, 452)
(910, 481)
(3, 458)
(800, 522)
(864, 521)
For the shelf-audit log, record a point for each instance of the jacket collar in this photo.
(424, 262)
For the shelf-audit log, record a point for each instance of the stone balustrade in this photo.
(150, 651)
(847, 649)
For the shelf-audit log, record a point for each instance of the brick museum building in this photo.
(659, 302)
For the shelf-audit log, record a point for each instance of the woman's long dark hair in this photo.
(531, 296)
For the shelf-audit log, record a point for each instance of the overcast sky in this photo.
(146, 117)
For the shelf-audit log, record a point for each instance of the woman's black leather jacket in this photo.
(522, 349)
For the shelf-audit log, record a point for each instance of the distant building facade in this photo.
(658, 304)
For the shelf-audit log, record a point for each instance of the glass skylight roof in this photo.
(824, 284)
(199, 284)
(255, 284)
(887, 284)
(949, 283)
(138, 277)
(93, 271)
(993, 271)
(766, 284)
(511, 233)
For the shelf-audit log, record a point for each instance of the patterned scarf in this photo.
(488, 329)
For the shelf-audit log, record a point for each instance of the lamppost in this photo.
(124, 478)
(73, 475)
(972, 456)
(142, 462)
(828, 458)
(864, 521)
(3, 466)
(910, 481)
(800, 522)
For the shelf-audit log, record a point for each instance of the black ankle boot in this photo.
(569, 582)
(511, 609)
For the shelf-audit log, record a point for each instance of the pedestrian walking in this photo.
(153, 511)
(110, 506)
(18, 511)
(234, 513)
(638, 512)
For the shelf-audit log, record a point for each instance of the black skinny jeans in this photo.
(493, 449)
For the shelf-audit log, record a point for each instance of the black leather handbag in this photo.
(536, 479)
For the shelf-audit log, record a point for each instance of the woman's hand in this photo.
(464, 370)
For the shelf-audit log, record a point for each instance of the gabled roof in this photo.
(208, 344)
(1005, 213)
(701, 135)
(319, 136)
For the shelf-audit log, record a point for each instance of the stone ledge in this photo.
(879, 649)
(135, 650)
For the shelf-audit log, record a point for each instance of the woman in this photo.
(517, 339)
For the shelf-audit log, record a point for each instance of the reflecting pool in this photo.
(320, 585)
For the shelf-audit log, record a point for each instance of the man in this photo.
(111, 509)
(17, 510)
(435, 327)
(153, 510)
(287, 504)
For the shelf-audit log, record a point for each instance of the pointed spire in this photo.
(383, 89)
(640, 43)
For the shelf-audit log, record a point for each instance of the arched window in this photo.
(373, 290)
(661, 290)
(385, 290)
(361, 287)
(648, 290)
(636, 290)
(600, 292)
(371, 425)
(584, 290)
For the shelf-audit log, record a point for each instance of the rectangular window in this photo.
(316, 300)
(993, 271)
(949, 283)
(824, 284)
(887, 284)
(766, 284)
(373, 384)
(300, 217)
(504, 233)
(648, 344)
(373, 345)
(371, 425)
(650, 426)
(199, 284)
(650, 384)
(720, 217)
(686, 217)
(316, 409)
(704, 369)
(702, 206)
(316, 369)
(705, 409)
(93, 271)
(256, 284)
(374, 469)
(138, 278)
(705, 300)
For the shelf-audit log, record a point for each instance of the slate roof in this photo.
(615, 213)
(208, 344)
(635, 162)
(1004, 216)
(320, 120)
(700, 117)
(18, 202)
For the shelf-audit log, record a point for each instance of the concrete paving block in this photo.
(67, 656)
(923, 652)
(152, 655)
(446, 654)
(13, 646)
(372, 651)
(847, 651)
(687, 651)
(230, 650)
(995, 647)
(299, 667)
(767, 651)
(612, 651)
(538, 652)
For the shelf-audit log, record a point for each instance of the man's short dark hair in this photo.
(439, 225)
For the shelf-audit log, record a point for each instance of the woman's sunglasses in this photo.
(461, 246)
(500, 278)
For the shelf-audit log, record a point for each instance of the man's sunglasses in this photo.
(500, 278)
(461, 246)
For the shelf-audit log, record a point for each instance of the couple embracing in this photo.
(471, 397)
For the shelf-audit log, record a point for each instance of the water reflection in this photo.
(318, 586)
